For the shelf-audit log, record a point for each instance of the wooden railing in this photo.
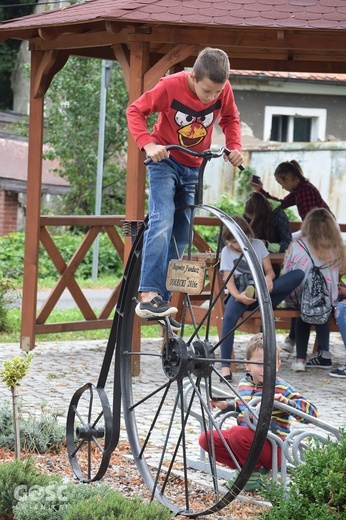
(67, 271)
(91, 321)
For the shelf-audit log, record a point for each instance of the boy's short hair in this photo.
(213, 64)
(256, 343)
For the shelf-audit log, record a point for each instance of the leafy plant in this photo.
(71, 130)
(244, 188)
(230, 206)
(15, 477)
(15, 369)
(114, 506)
(38, 433)
(13, 372)
(317, 488)
(42, 433)
(12, 256)
(78, 501)
(52, 502)
(7, 296)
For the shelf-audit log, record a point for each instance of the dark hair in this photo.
(213, 64)
(261, 220)
(244, 226)
(289, 168)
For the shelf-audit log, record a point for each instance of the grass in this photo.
(13, 335)
(68, 315)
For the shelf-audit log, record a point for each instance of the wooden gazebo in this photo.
(149, 38)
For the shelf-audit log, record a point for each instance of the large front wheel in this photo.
(165, 414)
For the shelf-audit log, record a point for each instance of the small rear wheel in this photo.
(89, 432)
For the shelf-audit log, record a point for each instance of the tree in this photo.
(12, 373)
(9, 48)
(71, 129)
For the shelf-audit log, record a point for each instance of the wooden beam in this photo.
(50, 63)
(32, 229)
(135, 180)
(174, 56)
(83, 41)
(122, 54)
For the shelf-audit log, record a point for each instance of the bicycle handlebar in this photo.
(206, 154)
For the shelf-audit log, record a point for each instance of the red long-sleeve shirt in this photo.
(183, 118)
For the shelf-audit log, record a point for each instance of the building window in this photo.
(291, 125)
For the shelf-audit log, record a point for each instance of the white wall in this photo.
(324, 164)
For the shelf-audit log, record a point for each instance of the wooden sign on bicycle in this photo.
(186, 276)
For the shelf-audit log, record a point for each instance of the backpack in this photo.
(315, 302)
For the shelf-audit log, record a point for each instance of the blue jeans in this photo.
(172, 186)
(340, 316)
(282, 287)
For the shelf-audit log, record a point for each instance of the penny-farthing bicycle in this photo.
(160, 418)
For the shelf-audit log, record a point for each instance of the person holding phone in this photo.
(302, 194)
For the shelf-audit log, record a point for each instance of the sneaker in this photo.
(339, 372)
(250, 291)
(298, 366)
(322, 359)
(156, 307)
(255, 481)
(175, 325)
(288, 345)
(227, 378)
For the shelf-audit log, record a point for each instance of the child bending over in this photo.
(240, 437)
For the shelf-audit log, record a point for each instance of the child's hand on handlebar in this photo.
(234, 158)
(156, 152)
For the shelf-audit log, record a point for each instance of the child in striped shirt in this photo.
(240, 437)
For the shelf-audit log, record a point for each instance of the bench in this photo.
(282, 316)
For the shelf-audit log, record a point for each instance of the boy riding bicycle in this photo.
(188, 103)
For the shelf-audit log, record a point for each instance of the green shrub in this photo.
(59, 501)
(17, 477)
(12, 256)
(318, 487)
(244, 188)
(38, 433)
(53, 501)
(7, 298)
(42, 433)
(115, 506)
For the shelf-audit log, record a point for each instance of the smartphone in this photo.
(255, 179)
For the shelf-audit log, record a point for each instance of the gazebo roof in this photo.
(295, 35)
(318, 14)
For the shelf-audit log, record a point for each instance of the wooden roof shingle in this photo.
(318, 14)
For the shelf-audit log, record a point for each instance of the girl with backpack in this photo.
(302, 194)
(320, 245)
(240, 286)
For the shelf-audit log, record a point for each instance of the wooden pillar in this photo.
(135, 181)
(32, 228)
(136, 175)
